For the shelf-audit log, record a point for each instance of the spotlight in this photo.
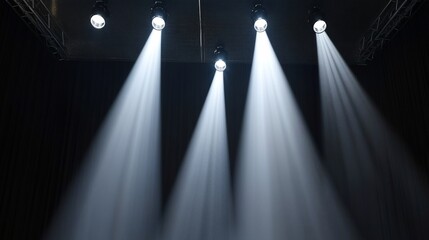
(158, 15)
(259, 18)
(158, 23)
(261, 25)
(316, 18)
(98, 21)
(99, 15)
(220, 63)
(319, 26)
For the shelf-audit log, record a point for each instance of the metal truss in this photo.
(386, 25)
(38, 17)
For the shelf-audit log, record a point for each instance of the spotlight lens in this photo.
(158, 23)
(98, 21)
(220, 65)
(319, 26)
(261, 25)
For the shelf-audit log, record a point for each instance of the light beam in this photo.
(370, 165)
(200, 206)
(283, 192)
(116, 196)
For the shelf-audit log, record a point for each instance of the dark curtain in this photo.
(50, 112)
(398, 79)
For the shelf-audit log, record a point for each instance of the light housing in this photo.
(259, 18)
(158, 15)
(158, 23)
(220, 58)
(260, 25)
(316, 19)
(319, 26)
(99, 15)
(220, 65)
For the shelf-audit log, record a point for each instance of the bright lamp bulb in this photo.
(319, 26)
(220, 65)
(158, 23)
(98, 21)
(261, 25)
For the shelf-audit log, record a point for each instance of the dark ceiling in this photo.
(223, 21)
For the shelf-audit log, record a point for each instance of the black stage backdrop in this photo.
(402, 72)
(50, 112)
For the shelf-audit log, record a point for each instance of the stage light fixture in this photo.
(99, 14)
(158, 23)
(220, 65)
(158, 15)
(220, 55)
(319, 26)
(261, 25)
(316, 18)
(259, 18)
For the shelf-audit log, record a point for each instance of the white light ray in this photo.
(200, 206)
(282, 190)
(369, 163)
(116, 196)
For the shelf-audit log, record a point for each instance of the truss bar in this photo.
(386, 25)
(38, 17)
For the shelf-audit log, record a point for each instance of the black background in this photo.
(50, 112)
